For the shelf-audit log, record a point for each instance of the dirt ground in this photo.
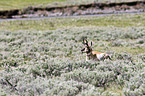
(75, 10)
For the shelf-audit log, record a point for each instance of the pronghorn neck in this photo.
(89, 56)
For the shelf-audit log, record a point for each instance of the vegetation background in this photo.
(43, 57)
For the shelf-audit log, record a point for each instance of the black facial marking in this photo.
(82, 50)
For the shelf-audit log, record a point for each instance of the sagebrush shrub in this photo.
(50, 62)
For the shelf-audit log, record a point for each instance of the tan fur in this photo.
(96, 52)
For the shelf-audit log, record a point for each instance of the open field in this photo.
(70, 22)
(43, 57)
(20, 4)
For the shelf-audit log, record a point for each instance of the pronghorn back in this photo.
(96, 52)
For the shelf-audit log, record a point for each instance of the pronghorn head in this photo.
(88, 48)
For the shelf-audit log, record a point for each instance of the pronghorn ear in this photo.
(83, 42)
(91, 43)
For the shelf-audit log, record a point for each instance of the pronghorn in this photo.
(93, 55)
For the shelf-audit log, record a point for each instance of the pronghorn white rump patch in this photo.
(101, 56)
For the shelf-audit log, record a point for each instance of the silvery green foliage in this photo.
(3, 93)
(41, 86)
(50, 62)
(26, 84)
(122, 56)
(136, 85)
(103, 73)
(91, 92)
(110, 93)
(142, 56)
